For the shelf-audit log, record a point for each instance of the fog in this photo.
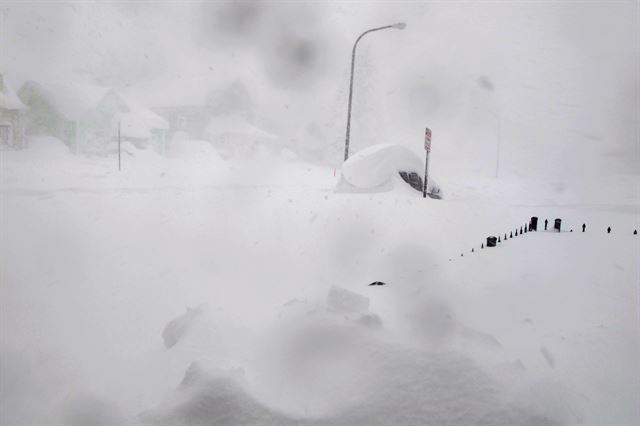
(183, 242)
(558, 80)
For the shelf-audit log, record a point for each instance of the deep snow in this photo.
(97, 264)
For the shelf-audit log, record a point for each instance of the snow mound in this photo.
(212, 397)
(47, 147)
(376, 167)
(357, 379)
(340, 300)
(191, 149)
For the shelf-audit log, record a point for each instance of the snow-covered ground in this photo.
(193, 290)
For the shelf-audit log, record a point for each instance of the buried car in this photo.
(377, 168)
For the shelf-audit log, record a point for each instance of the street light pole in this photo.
(398, 26)
(498, 146)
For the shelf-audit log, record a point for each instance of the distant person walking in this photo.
(546, 222)
(584, 226)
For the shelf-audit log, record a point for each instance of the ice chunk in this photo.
(177, 327)
(343, 301)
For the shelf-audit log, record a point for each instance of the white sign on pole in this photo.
(427, 139)
(427, 147)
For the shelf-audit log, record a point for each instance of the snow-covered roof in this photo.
(72, 100)
(138, 121)
(8, 98)
(235, 125)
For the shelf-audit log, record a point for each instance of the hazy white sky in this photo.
(557, 82)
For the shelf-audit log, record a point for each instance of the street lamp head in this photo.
(399, 26)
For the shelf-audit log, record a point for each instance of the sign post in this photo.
(427, 148)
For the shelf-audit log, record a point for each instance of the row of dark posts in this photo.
(493, 241)
(531, 226)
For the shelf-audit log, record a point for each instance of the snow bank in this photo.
(47, 148)
(444, 342)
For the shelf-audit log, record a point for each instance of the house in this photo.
(189, 103)
(12, 118)
(117, 114)
(87, 118)
(57, 110)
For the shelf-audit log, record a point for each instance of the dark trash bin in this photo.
(533, 223)
(557, 224)
(492, 241)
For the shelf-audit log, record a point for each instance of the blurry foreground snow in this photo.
(99, 267)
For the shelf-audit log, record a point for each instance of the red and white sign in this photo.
(427, 139)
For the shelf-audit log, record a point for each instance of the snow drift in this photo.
(379, 166)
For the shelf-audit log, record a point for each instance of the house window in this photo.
(5, 135)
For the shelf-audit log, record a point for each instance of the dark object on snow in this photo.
(413, 179)
(510, 234)
(533, 223)
(525, 229)
(608, 230)
(377, 283)
(505, 236)
(557, 224)
(635, 232)
(521, 230)
(461, 254)
(482, 245)
(571, 230)
(584, 226)
(499, 240)
(491, 241)
(472, 250)
(435, 194)
(546, 222)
